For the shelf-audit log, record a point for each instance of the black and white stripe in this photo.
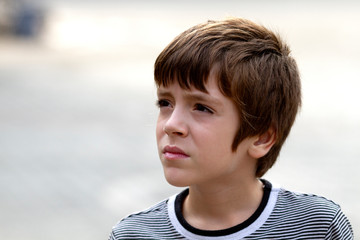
(282, 215)
(152, 223)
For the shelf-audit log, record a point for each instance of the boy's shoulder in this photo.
(138, 219)
(307, 200)
(314, 213)
(306, 206)
(158, 209)
(152, 222)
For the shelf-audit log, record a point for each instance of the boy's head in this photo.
(254, 69)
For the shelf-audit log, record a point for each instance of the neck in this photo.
(215, 208)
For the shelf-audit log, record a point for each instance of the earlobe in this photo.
(262, 144)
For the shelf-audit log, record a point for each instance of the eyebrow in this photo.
(197, 96)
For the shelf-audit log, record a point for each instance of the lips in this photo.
(173, 153)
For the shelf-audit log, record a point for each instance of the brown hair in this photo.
(254, 69)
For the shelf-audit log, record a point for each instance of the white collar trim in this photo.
(237, 235)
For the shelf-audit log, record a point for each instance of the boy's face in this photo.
(195, 131)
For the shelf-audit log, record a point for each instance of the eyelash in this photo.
(162, 103)
(203, 108)
(198, 107)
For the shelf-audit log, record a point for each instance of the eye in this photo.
(203, 108)
(163, 103)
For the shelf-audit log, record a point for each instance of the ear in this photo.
(262, 144)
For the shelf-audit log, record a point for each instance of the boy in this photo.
(228, 94)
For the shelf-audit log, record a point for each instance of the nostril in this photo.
(178, 133)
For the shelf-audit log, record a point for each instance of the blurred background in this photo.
(77, 107)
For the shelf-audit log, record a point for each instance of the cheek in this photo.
(159, 130)
(218, 135)
(216, 143)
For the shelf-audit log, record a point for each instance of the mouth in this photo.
(173, 153)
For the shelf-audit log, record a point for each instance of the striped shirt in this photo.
(282, 214)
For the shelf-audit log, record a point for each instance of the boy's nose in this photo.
(176, 124)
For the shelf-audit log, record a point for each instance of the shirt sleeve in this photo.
(111, 237)
(340, 228)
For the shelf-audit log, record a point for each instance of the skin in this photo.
(194, 134)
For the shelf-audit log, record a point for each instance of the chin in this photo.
(176, 180)
(177, 184)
